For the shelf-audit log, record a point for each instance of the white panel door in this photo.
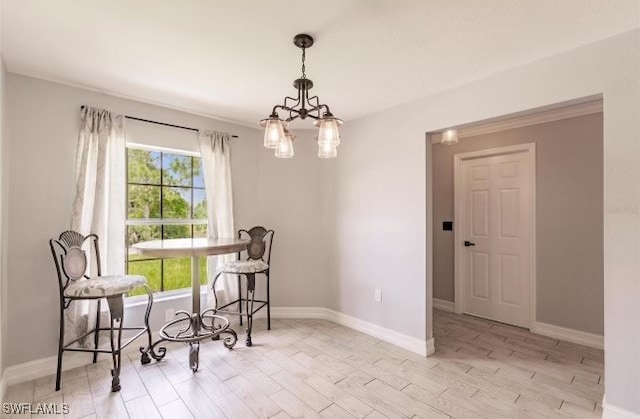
(496, 248)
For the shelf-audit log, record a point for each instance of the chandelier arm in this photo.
(309, 99)
(284, 108)
(314, 107)
(274, 112)
(291, 118)
(292, 99)
(290, 110)
(319, 107)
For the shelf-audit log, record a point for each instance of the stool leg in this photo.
(251, 287)
(60, 345)
(144, 358)
(268, 304)
(116, 309)
(96, 337)
(215, 302)
(215, 296)
(240, 297)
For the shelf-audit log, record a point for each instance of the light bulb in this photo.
(327, 151)
(449, 137)
(273, 131)
(285, 147)
(328, 132)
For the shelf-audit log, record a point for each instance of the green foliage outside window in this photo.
(165, 194)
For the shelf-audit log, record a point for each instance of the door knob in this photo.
(467, 243)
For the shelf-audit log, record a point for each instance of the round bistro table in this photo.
(191, 327)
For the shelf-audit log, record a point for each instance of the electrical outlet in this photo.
(169, 314)
(377, 295)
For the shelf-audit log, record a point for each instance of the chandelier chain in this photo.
(304, 74)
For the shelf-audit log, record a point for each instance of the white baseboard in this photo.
(47, 366)
(614, 412)
(570, 335)
(297, 313)
(443, 305)
(410, 343)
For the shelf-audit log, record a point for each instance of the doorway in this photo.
(495, 240)
(566, 292)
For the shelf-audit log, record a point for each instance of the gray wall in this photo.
(569, 217)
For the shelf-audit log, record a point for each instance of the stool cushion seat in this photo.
(104, 286)
(250, 266)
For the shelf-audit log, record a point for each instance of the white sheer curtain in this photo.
(99, 203)
(216, 163)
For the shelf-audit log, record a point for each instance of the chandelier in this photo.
(276, 133)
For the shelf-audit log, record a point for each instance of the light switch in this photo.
(377, 295)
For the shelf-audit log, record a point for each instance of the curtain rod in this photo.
(160, 123)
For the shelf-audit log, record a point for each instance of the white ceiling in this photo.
(235, 59)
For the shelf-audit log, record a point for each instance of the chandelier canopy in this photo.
(276, 132)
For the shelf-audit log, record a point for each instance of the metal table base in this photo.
(192, 327)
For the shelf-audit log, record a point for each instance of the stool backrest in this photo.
(261, 241)
(70, 257)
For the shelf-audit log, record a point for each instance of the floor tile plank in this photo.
(253, 396)
(335, 412)
(350, 404)
(197, 401)
(158, 387)
(298, 388)
(292, 405)
(142, 408)
(175, 409)
(109, 406)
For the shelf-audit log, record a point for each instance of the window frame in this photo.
(161, 222)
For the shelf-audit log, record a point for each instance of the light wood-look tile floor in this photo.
(315, 368)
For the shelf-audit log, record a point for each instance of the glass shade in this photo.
(273, 131)
(327, 151)
(328, 132)
(285, 147)
(449, 137)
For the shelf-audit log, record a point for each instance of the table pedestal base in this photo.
(191, 329)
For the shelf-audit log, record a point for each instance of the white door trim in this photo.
(530, 149)
(525, 119)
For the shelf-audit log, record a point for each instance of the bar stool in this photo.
(75, 284)
(261, 242)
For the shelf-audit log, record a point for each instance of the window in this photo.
(165, 199)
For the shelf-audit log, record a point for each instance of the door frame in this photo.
(458, 221)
